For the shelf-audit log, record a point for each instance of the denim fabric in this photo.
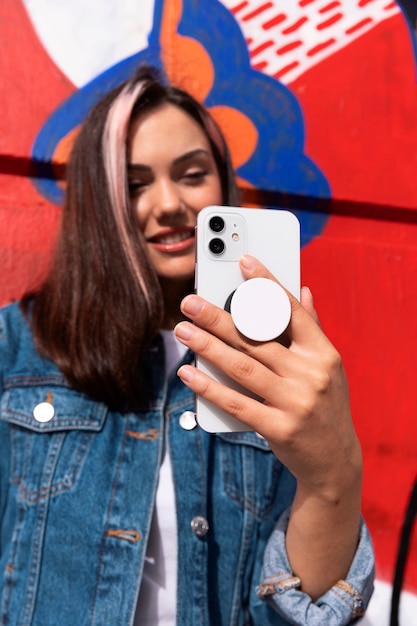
(77, 495)
(344, 602)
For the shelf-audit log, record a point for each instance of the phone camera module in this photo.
(216, 246)
(216, 224)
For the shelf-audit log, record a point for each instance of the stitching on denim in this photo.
(203, 548)
(89, 414)
(249, 529)
(29, 381)
(349, 589)
(251, 439)
(188, 402)
(341, 598)
(9, 583)
(127, 534)
(99, 572)
(278, 583)
(59, 424)
(65, 484)
(146, 435)
(236, 496)
(105, 535)
(38, 534)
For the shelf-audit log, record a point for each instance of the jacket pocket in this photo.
(250, 471)
(51, 428)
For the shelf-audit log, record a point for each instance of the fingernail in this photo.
(186, 373)
(248, 262)
(192, 305)
(307, 292)
(184, 331)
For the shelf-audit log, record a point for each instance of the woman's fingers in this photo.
(250, 411)
(305, 414)
(219, 323)
(306, 299)
(248, 371)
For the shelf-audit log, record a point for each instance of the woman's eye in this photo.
(136, 187)
(195, 177)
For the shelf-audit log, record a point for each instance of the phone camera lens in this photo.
(216, 224)
(216, 246)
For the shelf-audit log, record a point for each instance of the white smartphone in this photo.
(224, 234)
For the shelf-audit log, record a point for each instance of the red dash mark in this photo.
(260, 66)
(239, 7)
(357, 26)
(320, 47)
(363, 3)
(281, 17)
(330, 21)
(304, 3)
(289, 47)
(295, 26)
(286, 69)
(391, 5)
(329, 7)
(261, 48)
(257, 11)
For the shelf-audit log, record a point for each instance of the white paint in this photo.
(86, 38)
(311, 33)
(378, 613)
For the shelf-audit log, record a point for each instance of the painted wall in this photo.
(318, 99)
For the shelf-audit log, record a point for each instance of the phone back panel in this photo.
(270, 235)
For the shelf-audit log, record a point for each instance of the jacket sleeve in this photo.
(4, 438)
(342, 604)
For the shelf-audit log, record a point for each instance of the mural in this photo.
(317, 99)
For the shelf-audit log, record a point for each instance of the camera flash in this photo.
(235, 237)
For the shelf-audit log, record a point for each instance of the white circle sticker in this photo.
(260, 309)
(43, 412)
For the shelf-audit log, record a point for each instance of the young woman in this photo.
(116, 508)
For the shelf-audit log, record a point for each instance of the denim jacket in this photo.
(77, 489)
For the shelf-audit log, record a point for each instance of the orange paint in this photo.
(186, 62)
(239, 131)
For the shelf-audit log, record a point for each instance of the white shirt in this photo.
(158, 593)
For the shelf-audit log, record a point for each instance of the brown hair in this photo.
(101, 304)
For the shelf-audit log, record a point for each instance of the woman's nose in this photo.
(167, 198)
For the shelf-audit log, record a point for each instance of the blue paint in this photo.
(278, 164)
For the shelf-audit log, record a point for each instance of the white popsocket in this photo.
(260, 309)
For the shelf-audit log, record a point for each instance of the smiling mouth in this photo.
(174, 240)
(172, 237)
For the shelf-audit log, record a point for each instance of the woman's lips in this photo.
(172, 241)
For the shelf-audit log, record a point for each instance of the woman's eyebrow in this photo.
(139, 167)
(190, 155)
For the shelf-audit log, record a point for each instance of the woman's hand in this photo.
(305, 417)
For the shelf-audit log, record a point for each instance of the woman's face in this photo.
(172, 176)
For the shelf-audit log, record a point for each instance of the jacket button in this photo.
(187, 420)
(43, 412)
(199, 526)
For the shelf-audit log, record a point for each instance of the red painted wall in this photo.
(359, 107)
